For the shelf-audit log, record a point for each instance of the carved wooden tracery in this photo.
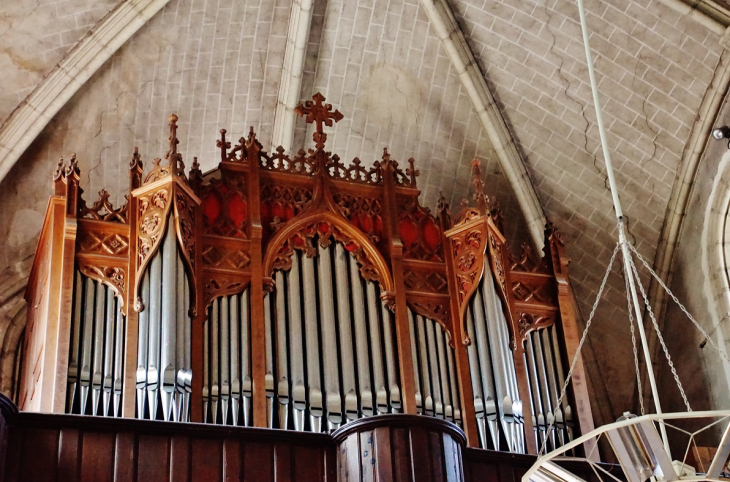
(238, 224)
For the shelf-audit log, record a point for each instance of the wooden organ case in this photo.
(298, 292)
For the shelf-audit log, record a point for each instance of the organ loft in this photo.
(289, 316)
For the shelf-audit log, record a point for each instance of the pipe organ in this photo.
(294, 291)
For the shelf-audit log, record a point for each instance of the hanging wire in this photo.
(681, 306)
(580, 347)
(658, 332)
(633, 343)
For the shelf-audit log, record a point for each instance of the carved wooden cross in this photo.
(320, 113)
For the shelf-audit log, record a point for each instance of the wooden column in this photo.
(258, 327)
(199, 314)
(58, 337)
(129, 389)
(571, 337)
(468, 417)
(402, 325)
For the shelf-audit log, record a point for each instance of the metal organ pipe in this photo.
(344, 336)
(510, 407)
(379, 382)
(361, 340)
(345, 331)
(96, 356)
(298, 391)
(311, 328)
(416, 367)
(476, 379)
(329, 339)
(434, 366)
(226, 363)
(164, 372)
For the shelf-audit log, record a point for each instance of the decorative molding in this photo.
(300, 21)
(66, 78)
(679, 200)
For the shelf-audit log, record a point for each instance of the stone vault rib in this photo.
(66, 78)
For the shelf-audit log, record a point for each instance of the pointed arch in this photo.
(298, 233)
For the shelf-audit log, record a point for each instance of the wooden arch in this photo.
(299, 233)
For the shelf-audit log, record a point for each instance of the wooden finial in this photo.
(413, 172)
(223, 145)
(479, 196)
(320, 113)
(173, 138)
(135, 170)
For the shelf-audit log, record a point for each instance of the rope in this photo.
(658, 333)
(681, 306)
(580, 347)
(633, 342)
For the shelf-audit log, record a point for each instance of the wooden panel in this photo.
(207, 463)
(258, 462)
(38, 469)
(97, 457)
(282, 463)
(180, 459)
(12, 461)
(232, 462)
(437, 455)
(68, 455)
(153, 457)
(307, 463)
(383, 458)
(401, 449)
(124, 461)
(420, 456)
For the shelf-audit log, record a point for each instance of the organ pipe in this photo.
(226, 362)
(163, 357)
(346, 336)
(95, 350)
(434, 366)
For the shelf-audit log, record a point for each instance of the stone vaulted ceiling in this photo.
(383, 64)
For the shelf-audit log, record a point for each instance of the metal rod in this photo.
(619, 215)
